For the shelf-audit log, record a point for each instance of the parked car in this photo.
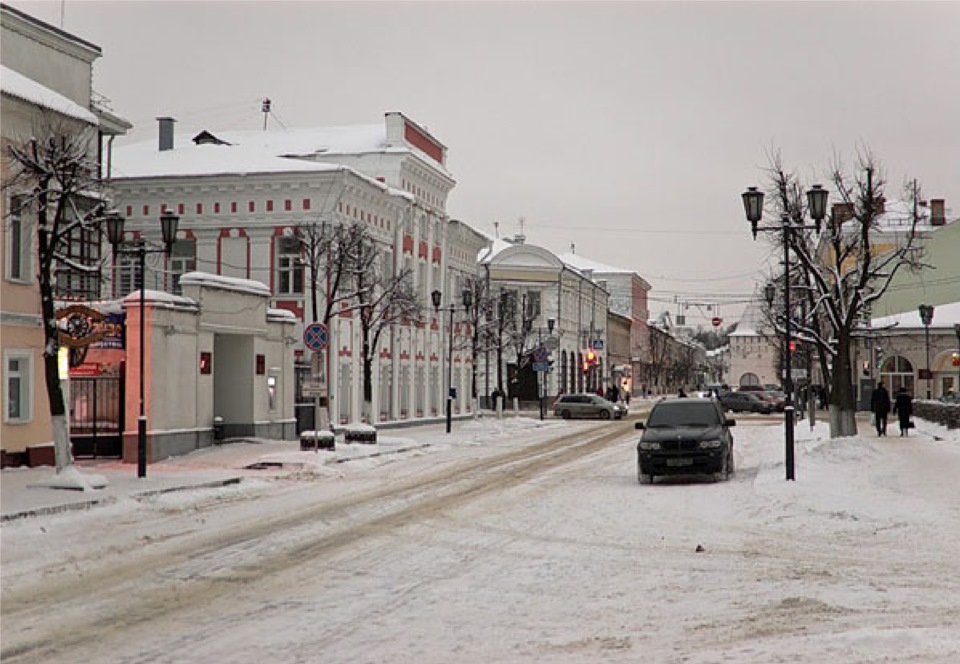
(775, 398)
(685, 436)
(745, 402)
(586, 405)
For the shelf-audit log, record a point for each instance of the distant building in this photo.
(753, 356)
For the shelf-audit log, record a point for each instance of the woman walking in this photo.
(903, 409)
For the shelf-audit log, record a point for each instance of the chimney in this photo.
(166, 133)
(937, 212)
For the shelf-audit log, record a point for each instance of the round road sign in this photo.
(315, 336)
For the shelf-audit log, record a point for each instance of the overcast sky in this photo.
(627, 129)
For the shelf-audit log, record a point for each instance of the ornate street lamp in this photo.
(436, 296)
(817, 209)
(138, 248)
(926, 317)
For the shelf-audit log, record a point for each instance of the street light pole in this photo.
(467, 296)
(753, 206)
(926, 317)
(168, 228)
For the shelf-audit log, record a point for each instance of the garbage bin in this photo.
(218, 428)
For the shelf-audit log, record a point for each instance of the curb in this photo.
(107, 500)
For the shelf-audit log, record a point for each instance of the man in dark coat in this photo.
(903, 409)
(880, 405)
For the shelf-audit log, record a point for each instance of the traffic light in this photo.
(955, 359)
(879, 356)
(793, 346)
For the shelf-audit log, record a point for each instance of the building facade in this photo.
(244, 198)
(46, 87)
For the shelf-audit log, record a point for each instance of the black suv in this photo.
(685, 437)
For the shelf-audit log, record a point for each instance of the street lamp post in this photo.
(540, 378)
(926, 317)
(467, 297)
(138, 248)
(753, 206)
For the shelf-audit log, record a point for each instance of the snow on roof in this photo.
(281, 315)
(944, 317)
(244, 153)
(750, 322)
(17, 85)
(144, 160)
(582, 263)
(160, 299)
(226, 283)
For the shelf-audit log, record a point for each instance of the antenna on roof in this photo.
(573, 248)
(265, 109)
(496, 229)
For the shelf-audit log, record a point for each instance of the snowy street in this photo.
(513, 541)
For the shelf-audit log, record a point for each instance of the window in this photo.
(80, 247)
(183, 259)
(127, 277)
(18, 241)
(289, 266)
(17, 388)
(533, 305)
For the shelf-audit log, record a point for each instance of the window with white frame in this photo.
(17, 241)
(17, 386)
(183, 259)
(127, 275)
(533, 305)
(289, 266)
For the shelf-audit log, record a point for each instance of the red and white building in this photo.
(240, 196)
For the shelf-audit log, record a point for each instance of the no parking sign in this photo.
(315, 337)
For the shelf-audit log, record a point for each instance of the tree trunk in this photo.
(843, 408)
(51, 370)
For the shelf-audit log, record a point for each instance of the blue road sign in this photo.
(315, 336)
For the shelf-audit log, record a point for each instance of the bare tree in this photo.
(55, 176)
(842, 270)
(480, 316)
(358, 278)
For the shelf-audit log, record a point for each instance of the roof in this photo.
(945, 316)
(17, 85)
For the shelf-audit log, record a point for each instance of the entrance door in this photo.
(96, 416)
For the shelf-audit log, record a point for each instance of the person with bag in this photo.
(903, 409)
(880, 405)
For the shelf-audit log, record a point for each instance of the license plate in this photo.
(679, 462)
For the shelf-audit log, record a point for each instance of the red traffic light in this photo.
(793, 346)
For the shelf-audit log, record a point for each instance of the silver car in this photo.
(586, 405)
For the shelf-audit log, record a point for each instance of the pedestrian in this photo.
(681, 393)
(903, 409)
(880, 405)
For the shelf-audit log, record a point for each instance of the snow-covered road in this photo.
(514, 550)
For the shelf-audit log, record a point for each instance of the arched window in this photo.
(897, 372)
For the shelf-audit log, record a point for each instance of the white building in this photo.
(753, 356)
(545, 288)
(241, 196)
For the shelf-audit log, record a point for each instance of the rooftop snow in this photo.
(944, 316)
(17, 85)
(226, 283)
